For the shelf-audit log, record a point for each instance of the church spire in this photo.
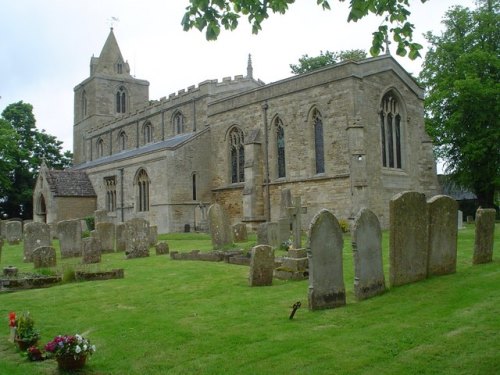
(249, 67)
(110, 61)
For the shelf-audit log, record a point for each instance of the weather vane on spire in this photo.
(112, 21)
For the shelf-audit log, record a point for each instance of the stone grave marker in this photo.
(69, 233)
(1, 246)
(120, 233)
(460, 221)
(44, 256)
(153, 235)
(240, 232)
(137, 238)
(294, 266)
(267, 234)
(2, 228)
(485, 231)
(106, 233)
(13, 232)
(443, 231)
(219, 226)
(296, 214)
(91, 250)
(100, 216)
(366, 240)
(261, 266)
(285, 221)
(408, 241)
(326, 275)
(162, 248)
(35, 235)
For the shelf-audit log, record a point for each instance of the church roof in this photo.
(69, 183)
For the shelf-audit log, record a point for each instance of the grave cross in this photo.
(295, 307)
(295, 212)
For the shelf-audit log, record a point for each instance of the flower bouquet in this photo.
(26, 335)
(70, 351)
(12, 326)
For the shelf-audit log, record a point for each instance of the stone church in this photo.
(342, 137)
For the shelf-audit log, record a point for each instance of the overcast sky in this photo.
(46, 46)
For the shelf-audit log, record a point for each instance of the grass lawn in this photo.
(186, 317)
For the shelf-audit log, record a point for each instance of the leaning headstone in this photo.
(443, 231)
(240, 232)
(137, 238)
(267, 234)
(261, 266)
(106, 233)
(366, 240)
(69, 233)
(44, 256)
(161, 248)
(326, 276)
(460, 220)
(91, 250)
(153, 235)
(219, 226)
(121, 241)
(35, 235)
(408, 238)
(485, 230)
(13, 232)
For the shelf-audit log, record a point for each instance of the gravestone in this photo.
(69, 233)
(13, 232)
(120, 232)
(470, 219)
(443, 231)
(240, 232)
(261, 266)
(219, 226)
(137, 238)
(100, 216)
(366, 240)
(35, 235)
(294, 266)
(2, 228)
(91, 250)
(408, 241)
(161, 248)
(201, 213)
(153, 235)
(106, 233)
(267, 234)
(460, 221)
(44, 256)
(296, 214)
(485, 230)
(326, 276)
(1, 246)
(285, 221)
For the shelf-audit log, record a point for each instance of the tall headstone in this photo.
(460, 220)
(485, 231)
(443, 231)
(91, 250)
(285, 221)
(261, 266)
(153, 235)
(296, 215)
(219, 226)
(44, 256)
(1, 246)
(13, 232)
(267, 234)
(35, 235)
(408, 238)
(326, 275)
(121, 240)
(240, 232)
(69, 233)
(137, 238)
(106, 233)
(366, 240)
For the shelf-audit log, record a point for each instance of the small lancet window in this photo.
(142, 191)
(121, 100)
(147, 133)
(178, 123)
(319, 149)
(237, 152)
(280, 147)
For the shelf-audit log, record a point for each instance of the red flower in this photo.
(12, 319)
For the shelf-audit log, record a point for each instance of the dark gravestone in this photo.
(408, 241)
(161, 248)
(443, 230)
(44, 256)
(121, 240)
(261, 266)
(35, 235)
(219, 227)
(326, 277)
(240, 232)
(91, 250)
(13, 232)
(485, 230)
(369, 278)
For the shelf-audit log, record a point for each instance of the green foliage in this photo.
(68, 275)
(90, 221)
(307, 64)
(23, 149)
(25, 328)
(344, 225)
(212, 15)
(462, 74)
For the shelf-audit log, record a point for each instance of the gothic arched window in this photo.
(121, 100)
(142, 183)
(100, 148)
(178, 123)
(147, 133)
(390, 131)
(319, 148)
(280, 147)
(237, 152)
(122, 141)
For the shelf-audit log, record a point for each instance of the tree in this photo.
(22, 153)
(214, 14)
(307, 64)
(462, 73)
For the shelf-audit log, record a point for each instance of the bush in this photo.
(345, 226)
(90, 220)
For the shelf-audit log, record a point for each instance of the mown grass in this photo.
(185, 317)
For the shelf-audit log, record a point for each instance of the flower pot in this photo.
(69, 362)
(23, 345)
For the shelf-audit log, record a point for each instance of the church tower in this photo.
(108, 93)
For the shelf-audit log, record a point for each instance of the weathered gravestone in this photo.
(261, 266)
(100, 216)
(121, 241)
(443, 231)
(153, 235)
(408, 238)
(137, 238)
(35, 235)
(219, 226)
(44, 256)
(485, 230)
(267, 234)
(240, 232)
(161, 248)
(294, 266)
(285, 221)
(296, 214)
(1, 246)
(326, 276)
(366, 240)
(69, 233)
(106, 233)
(91, 250)
(2, 228)
(460, 221)
(13, 232)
